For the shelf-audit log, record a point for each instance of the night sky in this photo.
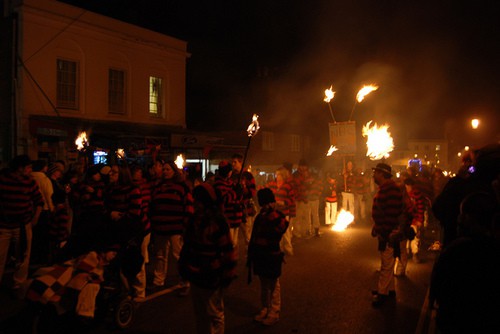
(435, 62)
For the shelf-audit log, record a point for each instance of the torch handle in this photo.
(352, 111)
(331, 112)
(244, 159)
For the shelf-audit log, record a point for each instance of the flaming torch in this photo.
(365, 90)
(329, 94)
(331, 150)
(379, 141)
(344, 219)
(252, 130)
(81, 141)
(179, 161)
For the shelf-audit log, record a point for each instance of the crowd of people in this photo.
(52, 213)
(464, 290)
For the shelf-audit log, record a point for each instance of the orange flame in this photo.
(329, 94)
(344, 219)
(367, 89)
(179, 161)
(379, 141)
(81, 141)
(254, 126)
(331, 150)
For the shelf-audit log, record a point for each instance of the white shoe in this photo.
(261, 316)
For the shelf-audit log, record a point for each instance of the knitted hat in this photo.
(265, 196)
(53, 168)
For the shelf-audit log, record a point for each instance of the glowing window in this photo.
(155, 96)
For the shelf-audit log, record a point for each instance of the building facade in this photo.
(74, 70)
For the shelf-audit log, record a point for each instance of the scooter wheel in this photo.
(124, 313)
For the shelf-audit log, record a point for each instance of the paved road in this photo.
(326, 288)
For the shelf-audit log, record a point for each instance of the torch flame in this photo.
(329, 94)
(379, 141)
(254, 126)
(179, 161)
(367, 89)
(81, 141)
(331, 150)
(344, 218)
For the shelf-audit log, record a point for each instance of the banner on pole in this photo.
(343, 136)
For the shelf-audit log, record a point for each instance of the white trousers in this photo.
(386, 276)
(208, 309)
(140, 284)
(162, 244)
(8, 236)
(348, 202)
(270, 294)
(330, 213)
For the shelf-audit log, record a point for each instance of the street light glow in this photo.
(474, 123)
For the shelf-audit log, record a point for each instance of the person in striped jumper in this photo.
(89, 224)
(313, 196)
(170, 208)
(417, 206)
(207, 260)
(387, 207)
(244, 182)
(145, 187)
(20, 206)
(265, 257)
(330, 199)
(229, 201)
(122, 201)
(284, 194)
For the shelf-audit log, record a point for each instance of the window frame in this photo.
(160, 98)
(67, 90)
(114, 109)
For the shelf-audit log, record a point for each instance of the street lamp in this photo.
(474, 123)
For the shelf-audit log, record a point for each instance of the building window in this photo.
(155, 96)
(67, 84)
(267, 141)
(116, 92)
(295, 143)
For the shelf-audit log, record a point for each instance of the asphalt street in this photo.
(326, 288)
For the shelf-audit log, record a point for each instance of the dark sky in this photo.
(435, 61)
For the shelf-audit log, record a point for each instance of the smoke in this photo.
(370, 46)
